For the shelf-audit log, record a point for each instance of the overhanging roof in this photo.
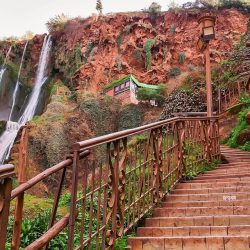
(131, 77)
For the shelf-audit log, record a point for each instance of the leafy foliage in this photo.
(173, 29)
(154, 10)
(173, 72)
(241, 125)
(147, 48)
(145, 94)
(89, 48)
(99, 7)
(57, 23)
(130, 116)
(182, 57)
(173, 5)
(33, 228)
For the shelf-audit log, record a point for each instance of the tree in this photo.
(57, 23)
(173, 5)
(158, 95)
(99, 7)
(28, 35)
(154, 9)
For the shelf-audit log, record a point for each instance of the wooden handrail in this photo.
(87, 144)
(7, 170)
(50, 234)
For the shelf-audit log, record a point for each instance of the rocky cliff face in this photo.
(92, 52)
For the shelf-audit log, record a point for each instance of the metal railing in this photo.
(116, 179)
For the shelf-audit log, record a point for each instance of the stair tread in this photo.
(211, 211)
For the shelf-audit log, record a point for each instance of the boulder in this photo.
(243, 137)
(248, 117)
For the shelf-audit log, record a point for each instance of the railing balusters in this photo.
(22, 166)
(141, 166)
(6, 174)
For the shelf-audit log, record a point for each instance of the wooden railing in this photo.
(117, 179)
(230, 96)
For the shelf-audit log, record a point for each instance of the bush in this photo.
(34, 228)
(147, 48)
(131, 116)
(172, 29)
(154, 9)
(173, 72)
(145, 94)
(57, 23)
(99, 7)
(241, 125)
(182, 57)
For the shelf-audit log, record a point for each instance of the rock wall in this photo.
(92, 52)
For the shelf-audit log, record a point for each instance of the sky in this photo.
(19, 16)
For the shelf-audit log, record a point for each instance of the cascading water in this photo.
(30, 109)
(17, 82)
(8, 137)
(2, 70)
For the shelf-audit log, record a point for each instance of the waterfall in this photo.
(41, 77)
(2, 70)
(7, 55)
(17, 83)
(8, 137)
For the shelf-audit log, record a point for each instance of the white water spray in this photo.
(17, 83)
(2, 70)
(8, 137)
(41, 78)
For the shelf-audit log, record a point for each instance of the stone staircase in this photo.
(211, 212)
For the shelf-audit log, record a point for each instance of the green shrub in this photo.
(130, 116)
(154, 10)
(246, 146)
(173, 29)
(89, 48)
(99, 7)
(33, 228)
(241, 125)
(147, 48)
(173, 72)
(57, 23)
(145, 94)
(182, 57)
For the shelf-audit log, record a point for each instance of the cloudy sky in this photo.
(19, 16)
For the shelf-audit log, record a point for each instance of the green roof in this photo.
(128, 77)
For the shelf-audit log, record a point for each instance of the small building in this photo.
(126, 88)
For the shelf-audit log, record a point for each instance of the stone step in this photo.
(212, 190)
(216, 180)
(227, 171)
(193, 231)
(227, 220)
(208, 197)
(201, 211)
(223, 176)
(189, 185)
(206, 203)
(190, 243)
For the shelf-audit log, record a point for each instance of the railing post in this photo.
(6, 172)
(22, 166)
(73, 212)
(219, 100)
(157, 165)
(181, 148)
